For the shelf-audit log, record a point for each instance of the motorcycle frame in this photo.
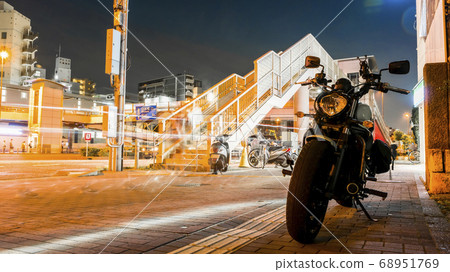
(340, 149)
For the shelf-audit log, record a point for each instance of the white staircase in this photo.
(237, 104)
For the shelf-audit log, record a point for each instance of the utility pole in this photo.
(116, 67)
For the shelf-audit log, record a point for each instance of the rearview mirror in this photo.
(399, 67)
(312, 62)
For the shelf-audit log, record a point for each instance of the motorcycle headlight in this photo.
(332, 104)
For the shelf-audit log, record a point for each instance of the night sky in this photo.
(213, 39)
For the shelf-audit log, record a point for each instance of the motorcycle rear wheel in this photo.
(308, 179)
(253, 158)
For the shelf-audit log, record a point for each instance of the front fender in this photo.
(322, 138)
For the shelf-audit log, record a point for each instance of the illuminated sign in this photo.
(87, 136)
(145, 113)
(419, 93)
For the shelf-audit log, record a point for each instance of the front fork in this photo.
(335, 170)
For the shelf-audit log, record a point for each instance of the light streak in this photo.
(323, 29)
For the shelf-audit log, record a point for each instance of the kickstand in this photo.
(364, 210)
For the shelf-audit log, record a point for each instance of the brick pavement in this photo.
(83, 215)
(405, 224)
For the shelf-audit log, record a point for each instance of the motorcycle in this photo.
(279, 155)
(219, 157)
(340, 156)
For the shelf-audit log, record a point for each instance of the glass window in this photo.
(23, 95)
(4, 35)
(4, 95)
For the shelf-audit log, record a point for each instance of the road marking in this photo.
(142, 224)
(229, 241)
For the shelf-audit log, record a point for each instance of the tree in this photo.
(398, 134)
(407, 139)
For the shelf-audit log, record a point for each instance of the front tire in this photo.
(346, 203)
(306, 187)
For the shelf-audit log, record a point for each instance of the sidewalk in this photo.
(240, 211)
(409, 222)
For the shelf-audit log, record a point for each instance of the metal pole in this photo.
(136, 154)
(1, 89)
(120, 24)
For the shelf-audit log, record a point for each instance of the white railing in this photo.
(273, 75)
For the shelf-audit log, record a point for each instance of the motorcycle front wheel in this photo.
(306, 204)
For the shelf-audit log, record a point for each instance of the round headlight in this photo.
(332, 104)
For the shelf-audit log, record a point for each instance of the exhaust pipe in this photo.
(286, 172)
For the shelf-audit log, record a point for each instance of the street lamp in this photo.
(3, 55)
(406, 115)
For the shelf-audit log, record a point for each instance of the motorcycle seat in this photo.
(273, 148)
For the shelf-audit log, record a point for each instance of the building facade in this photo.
(179, 88)
(85, 86)
(62, 70)
(431, 92)
(19, 40)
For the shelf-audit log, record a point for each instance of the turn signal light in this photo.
(368, 124)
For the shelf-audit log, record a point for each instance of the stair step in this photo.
(191, 151)
(183, 167)
(184, 161)
(189, 156)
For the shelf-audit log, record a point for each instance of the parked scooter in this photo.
(219, 157)
(279, 155)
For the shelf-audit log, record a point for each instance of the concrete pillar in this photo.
(301, 103)
(437, 125)
(46, 114)
(422, 133)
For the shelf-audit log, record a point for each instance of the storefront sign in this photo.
(144, 113)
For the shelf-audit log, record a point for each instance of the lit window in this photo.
(23, 95)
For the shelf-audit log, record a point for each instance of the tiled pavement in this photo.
(409, 222)
(83, 215)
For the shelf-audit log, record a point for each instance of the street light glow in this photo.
(4, 54)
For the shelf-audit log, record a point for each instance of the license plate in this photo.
(215, 156)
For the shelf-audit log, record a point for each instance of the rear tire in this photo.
(284, 163)
(308, 178)
(253, 158)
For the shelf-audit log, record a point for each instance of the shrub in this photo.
(92, 151)
(104, 152)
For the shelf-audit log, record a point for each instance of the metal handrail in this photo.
(274, 78)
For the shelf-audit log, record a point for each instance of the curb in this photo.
(437, 223)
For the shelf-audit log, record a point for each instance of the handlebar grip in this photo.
(304, 83)
(395, 89)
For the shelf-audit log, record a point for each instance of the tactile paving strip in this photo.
(227, 242)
